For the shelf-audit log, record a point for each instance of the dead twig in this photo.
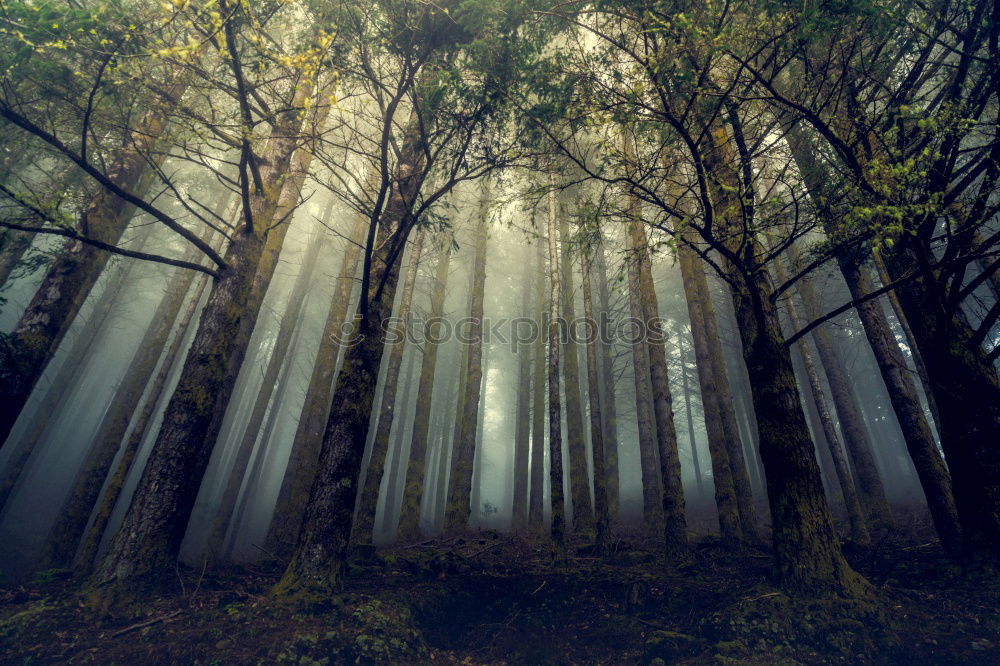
(146, 623)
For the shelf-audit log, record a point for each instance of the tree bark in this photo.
(522, 433)
(579, 480)
(536, 499)
(596, 422)
(458, 509)
(301, 466)
(692, 442)
(146, 546)
(364, 520)
(608, 407)
(557, 527)
(409, 523)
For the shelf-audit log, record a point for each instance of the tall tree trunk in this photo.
(696, 292)
(859, 526)
(86, 554)
(364, 520)
(596, 424)
(409, 522)
(301, 467)
(692, 442)
(146, 546)
(536, 498)
(67, 532)
(576, 444)
(460, 484)
(966, 391)
(608, 407)
(558, 525)
(522, 421)
(252, 428)
(808, 559)
(324, 538)
(74, 272)
(871, 491)
(393, 492)
(902, 390)
(671, 488)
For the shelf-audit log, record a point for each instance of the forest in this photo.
(500, 331)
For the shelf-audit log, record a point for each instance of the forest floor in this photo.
(489, 598)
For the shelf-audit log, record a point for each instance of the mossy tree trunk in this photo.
(364, 520)
(301, 466)
(145, 549)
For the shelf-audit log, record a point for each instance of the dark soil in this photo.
(493, 599)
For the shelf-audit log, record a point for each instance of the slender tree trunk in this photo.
(252, 428)
(966, 391)
(859, 526)
(364, 520)
(726, 503)
(596, 424)
(579, 480)
(871, 491)
(902, 391)
(390, 511)
(69, 529)
(476, 491)
(608, 408)
(522, 434)
(86, 554)
(692, 442)
(458, 510)
(536, 498)
(671, 488)
(447, 448)
(301, 467)
(71, 276)
(808, 559)
(146, 546)
(409, 523)
(558, 525)
(324, 538)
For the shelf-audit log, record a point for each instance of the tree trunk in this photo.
(301, 467)
(966, 390)
(460, 484)
(579, 480)
(66, 534)
(86, 555)
(74, 272)
(692, 442)
(252, 429)
(871, 491)
(696, 291)
(558, 524)
(608, 408)
(536, 498)
(672, 499)
(596, 424)
(522, 434)
(146, 546)
(364, 520)
(324, 538)
(409, 522)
